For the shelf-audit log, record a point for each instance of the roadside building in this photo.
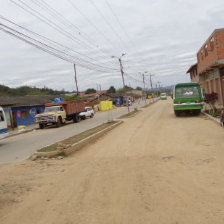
(193, 71)
(210, 59)
(21, 110)
(209, 69)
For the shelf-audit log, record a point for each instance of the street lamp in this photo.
(121, 66)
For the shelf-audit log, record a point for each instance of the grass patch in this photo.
(77, 138)
(130, 114)
(49, 148)
(87, 133)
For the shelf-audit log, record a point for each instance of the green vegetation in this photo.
(27, 90)
(49, 148)
(111, 90)
(79, 137)
(90, 90)
(73, 97)
(87, 133)
(125, 89)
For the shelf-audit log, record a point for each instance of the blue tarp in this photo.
(58, 100)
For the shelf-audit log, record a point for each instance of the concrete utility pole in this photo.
(76, 80)
(143, 78)
(151, 80)
(122, 74)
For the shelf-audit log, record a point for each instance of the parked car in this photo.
(163, 96)
(89, 112)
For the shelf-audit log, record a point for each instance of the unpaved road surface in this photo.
(153, 169)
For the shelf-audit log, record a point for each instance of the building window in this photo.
(202, 56)
(208, 90)
(24, 114)
(206, 50)
(212, 86)
(212, 43)
(217, 88)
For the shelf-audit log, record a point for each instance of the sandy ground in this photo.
(154, 168)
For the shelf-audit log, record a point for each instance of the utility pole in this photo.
(143, 77)
(122, 72)
(76, 80)
(151, 80)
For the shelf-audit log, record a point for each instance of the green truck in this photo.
(187, 97)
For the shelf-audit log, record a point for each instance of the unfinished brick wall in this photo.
(211, 51)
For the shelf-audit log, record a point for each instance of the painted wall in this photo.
(7, 111)
(25, 115)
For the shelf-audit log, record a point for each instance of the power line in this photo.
(71, 26)
(105, 20)
(47, 21)
(90, 22)
(50, 50)
(56, 44)
(118, 21)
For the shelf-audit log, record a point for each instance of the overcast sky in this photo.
(158, 36)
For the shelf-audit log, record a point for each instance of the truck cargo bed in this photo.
(71, 107)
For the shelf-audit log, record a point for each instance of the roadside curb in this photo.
(151, 102)
(22, 132)
(69, 149)
(211, 118)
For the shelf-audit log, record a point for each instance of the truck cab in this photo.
(52, 115)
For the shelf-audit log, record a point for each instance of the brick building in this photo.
(194, 73)
(210, 65)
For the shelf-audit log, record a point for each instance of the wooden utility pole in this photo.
(76, 80)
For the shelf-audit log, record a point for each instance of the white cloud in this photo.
(163, 38)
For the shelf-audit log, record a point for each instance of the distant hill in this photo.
(28, 91)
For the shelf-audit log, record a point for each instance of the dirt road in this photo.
(153, 169)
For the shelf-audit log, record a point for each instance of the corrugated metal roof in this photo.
(25, 100)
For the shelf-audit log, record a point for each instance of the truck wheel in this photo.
(41, 126)
(76, 118)
(177, 113)
(197, 112)
(58, 124)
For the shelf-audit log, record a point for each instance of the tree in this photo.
(73, 97)
(138, 88)
(111, 90)
(90, 90)
(125, 89)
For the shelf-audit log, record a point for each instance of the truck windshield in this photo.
(52, 109)
(187, 92)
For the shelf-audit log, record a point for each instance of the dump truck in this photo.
(58, 113)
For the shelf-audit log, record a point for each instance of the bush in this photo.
(210, 99)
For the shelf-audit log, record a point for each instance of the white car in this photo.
(89, 112)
